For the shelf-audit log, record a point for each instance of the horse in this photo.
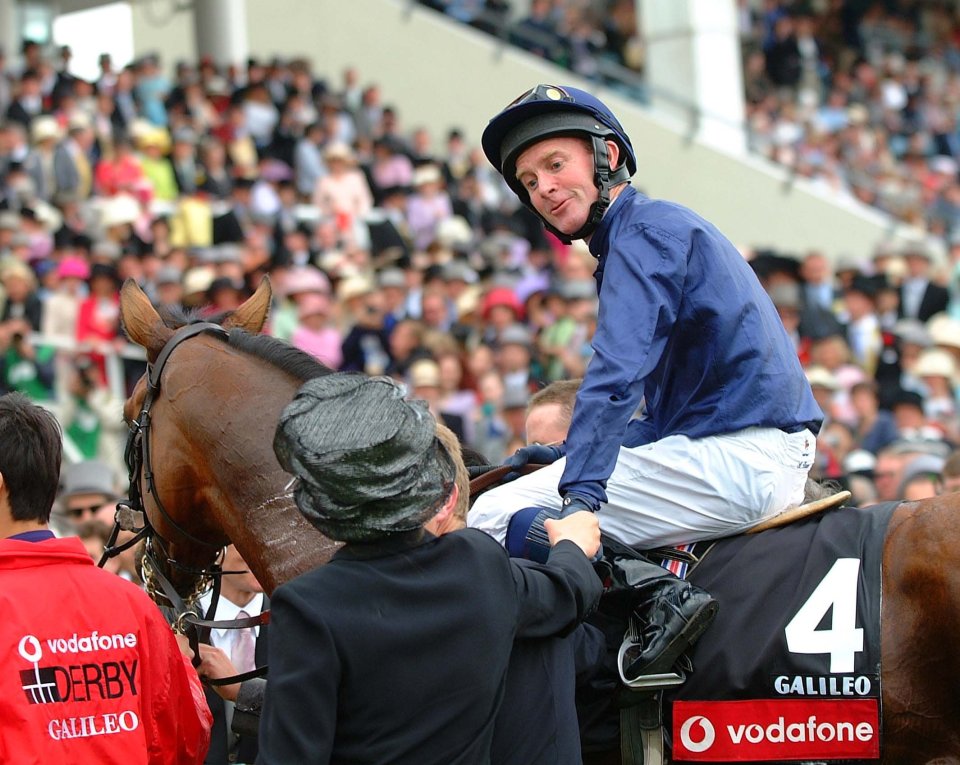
(211, 425)
(210, 441)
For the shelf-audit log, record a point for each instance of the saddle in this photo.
(640, 697)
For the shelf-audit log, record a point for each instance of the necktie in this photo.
(244, 645)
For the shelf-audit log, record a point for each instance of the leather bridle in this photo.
(138, 457)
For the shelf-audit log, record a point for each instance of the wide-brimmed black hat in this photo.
(368, 462)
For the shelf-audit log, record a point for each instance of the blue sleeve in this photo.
(640, 297)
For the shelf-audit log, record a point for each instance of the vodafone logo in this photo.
(707, 735)
(776, 729)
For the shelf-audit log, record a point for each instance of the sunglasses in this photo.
(76, 512)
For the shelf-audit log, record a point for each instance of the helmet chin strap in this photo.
(604, 179)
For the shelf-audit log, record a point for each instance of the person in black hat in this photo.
(410, 634)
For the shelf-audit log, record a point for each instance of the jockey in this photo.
(694, 420)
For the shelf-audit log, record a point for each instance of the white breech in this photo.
(676, 490)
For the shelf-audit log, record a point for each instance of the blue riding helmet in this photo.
(550, 110)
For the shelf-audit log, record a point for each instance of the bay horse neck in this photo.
(214, 418)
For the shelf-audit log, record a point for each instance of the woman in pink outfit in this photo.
(314, 334)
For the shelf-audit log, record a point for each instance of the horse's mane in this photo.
(278, 353)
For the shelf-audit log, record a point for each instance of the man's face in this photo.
(83, 507)
(245, 582)
(546, 425)
(886, 476)
(558, 175)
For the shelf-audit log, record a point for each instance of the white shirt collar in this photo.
(227, 609)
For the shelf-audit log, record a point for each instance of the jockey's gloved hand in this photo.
(526, 535)
(535, 454)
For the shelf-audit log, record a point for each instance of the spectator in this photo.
(549, 412)
(921, 476)
(875, 427)
(920, 298)
(292, 729)
(50, 586)
(343, 193)
(98, 318)
(950, 474)
(241, 597)
(315, 332)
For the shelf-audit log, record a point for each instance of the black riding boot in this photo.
(671, 616)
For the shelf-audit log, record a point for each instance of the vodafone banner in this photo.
(776, 729)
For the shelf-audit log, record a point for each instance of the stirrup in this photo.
(647, 682)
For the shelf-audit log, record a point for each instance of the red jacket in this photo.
(91, 672)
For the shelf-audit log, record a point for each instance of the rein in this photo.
(138, 457)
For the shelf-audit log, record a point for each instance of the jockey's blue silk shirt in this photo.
(685, 327)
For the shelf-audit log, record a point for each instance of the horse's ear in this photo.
(251, 315)
(141, 320)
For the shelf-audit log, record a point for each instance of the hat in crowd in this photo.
(501, 296)
(424, 373)
(859, 461)
(313, 304)
(392, 277)
(907, 398)
(935, 362)
(105, 250)
(118, 210)
(515, 397)
(44, 128)
(73, 267)
(88, 477)
(196, 281)
(9, 221)
(821, 377)
(353, 287)
(515, 334)
(168, 275)
(912, 332)
(368, 462)
(468, 301)
(429, 173)
(224, 284)
(867, 285)
(275, 170)
(458, 271)
(454, 232)
(916, 248)
(104, 271)
(12, 268)
(924, 464)
(339, 150)
(301, 279)
(578, 289)
(944, 330)
(785, 295)
(155, 138)
(184, 135)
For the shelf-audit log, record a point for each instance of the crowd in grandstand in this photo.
(394, 251)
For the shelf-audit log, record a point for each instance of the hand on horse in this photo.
(580, 527)
(535, 454)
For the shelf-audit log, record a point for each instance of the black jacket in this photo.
(398, 653)
(220, 737)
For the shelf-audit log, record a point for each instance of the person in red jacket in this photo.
(91, 671)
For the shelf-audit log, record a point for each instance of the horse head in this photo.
(201, 451)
